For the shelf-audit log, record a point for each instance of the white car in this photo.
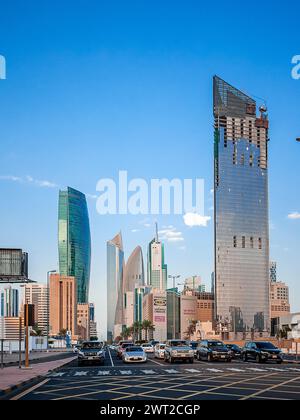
(134, 354)
(159, 351)
(148, 348)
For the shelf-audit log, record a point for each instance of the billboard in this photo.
(13, 263)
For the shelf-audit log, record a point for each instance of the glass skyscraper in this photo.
(241, 211)
(157, 269)
(74, 240)
(115, 286)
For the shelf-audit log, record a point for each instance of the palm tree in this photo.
(136, 329)
(191, 329)
(147, 326)
(126, 333)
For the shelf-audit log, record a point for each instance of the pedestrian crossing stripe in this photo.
(104, 372)
(81, 373)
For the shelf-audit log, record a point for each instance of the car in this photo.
(134, 354)
(178, 350)
(148, 348)
(235, 350)
(76, 348)
(91, 352)
(159, 351)
(211, 350)
(153, 342)
(122, 348)
(261, 351)
(194, 345)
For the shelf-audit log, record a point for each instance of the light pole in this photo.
(174, 278)
(48, 305)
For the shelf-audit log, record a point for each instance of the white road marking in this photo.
(81, 373)
(257, 370)
(171, 371)
(126, 372)
(192, 370)
(111, 360)
(33, 388)
(295, 369)
(57, 374)
(276, 369)
(215, 370)
(156, 362)
(236, 370)
(104, 372)
(148, 372)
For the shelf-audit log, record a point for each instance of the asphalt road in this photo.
(157, 380)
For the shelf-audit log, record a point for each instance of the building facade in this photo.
(157, 269)
(63, 304)
(241, 218)
(173, 314)
(155, 311)
(188, 313)
(279, 299)
(37, 295)
(9, 302)
(115, 286)
(83, 321)
(74, 240)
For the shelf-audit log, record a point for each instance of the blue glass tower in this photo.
(74, 240)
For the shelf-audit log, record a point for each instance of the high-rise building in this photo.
(133, 278)
(37, 295)
(63, 304)
(115, 286)
(74, 240)
(273, 271)
(188, 313)
(155, 311)
(193, 282)
(83, 321)
(279, 299)
(9, 302)
(241, 210)
(92, 322)
(173, 313)
(157, 269)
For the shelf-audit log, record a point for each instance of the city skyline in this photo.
(140, 101)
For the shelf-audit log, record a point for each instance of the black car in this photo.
(235, 350)
(91, 352)
(261, 351)
(213, 350)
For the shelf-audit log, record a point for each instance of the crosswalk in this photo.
(164, 371)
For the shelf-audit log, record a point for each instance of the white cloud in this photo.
(29, 180)
(135, 230)
(295, 215)
(195, 219)
(170, 234)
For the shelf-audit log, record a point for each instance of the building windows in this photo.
(234, 242)
(259, 243)
(251, 242)
(243, 242)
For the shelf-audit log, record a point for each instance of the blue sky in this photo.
(103, 86)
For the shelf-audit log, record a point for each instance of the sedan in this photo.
(148, 348)
(261, 351)
(134, 354)
(159, 351)
(235, 350)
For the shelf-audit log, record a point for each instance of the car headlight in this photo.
(214, 352)
(174, 352)
(100, 353)
(80, 353)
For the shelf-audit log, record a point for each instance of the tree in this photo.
(136, 330)
(191, 329)
(63, 332)
(126, 333)
(147, 326)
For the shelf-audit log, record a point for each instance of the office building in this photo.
(241, 219)
(273, 271)
(83, 321)
(9, 302)
(279, 299)
(62, 304)
(188, 313)
(74, 240)
(173, 313)
(157, 269)
(115, 286)
(155, 311)
(37, 295)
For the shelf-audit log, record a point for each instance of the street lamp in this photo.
(174, 278)
(48, 305)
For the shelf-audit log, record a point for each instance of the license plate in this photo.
(90, 358)
(222, 357)
(274, 357)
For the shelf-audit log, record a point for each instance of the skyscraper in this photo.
(157, 269)
(133, 278)
(9, 302)
(115, 286)
(273, 271)
(74, 240)
(241, 210)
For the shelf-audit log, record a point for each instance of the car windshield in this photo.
(215, 344)
(266, 345)
(194, 345)
(133, 349)
(178, 343)
(125, 346)
(147, 345)
(162, 346)
(92, 345)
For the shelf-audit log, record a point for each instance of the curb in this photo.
(36, 379)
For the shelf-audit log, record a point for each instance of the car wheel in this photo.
(171, 360)
(244, 358)
(229, 360)
(258, 359)
(209, 359)
(198, 357)
(191, 360)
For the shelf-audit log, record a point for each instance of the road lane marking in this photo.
(155, 361)
(236, 370)
(57, 374)
(257, 370)
(215, 370)
(28, 391)
(104, 372)
(148, 372)
(126, 372)
(81, 373)
(111, 360)
(262, 391)
(171, 371)
(192, 370)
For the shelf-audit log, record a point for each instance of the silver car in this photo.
(134, 354)
(178, 350)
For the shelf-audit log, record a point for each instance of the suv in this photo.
(261, 351)
(91, 352)
(178, 350)
(210, 350)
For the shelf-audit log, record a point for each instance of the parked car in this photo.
(148, 348)
(194, 345)
(159, 351)
(122, 348)
(178, 350)
(134, 354)
(261, 351)
(211, 350)
(91, 352)
(235, 350)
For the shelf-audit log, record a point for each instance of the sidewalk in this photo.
(12, 377)
(34, 356)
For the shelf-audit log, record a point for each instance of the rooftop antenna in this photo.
(156, 232)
